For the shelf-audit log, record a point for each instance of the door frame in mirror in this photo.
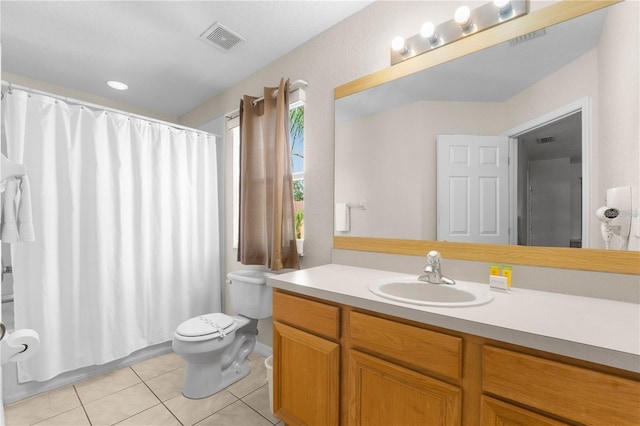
(625, 262)
(581, 106)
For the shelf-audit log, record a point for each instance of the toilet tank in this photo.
(250, 296)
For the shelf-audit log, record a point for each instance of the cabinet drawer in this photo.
(498, 413)
(571, 392)
(316, 317)
(423, 349)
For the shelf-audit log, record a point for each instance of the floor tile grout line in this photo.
(105, 396)
(128, 387)
(155, 377)
(236, 398)
(258, 412)
(84, 410)
(61, 412)
(154, 394)
(220, 409)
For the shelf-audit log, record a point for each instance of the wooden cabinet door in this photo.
(382, 393)
(306, 377)
(574, 393)
(499, 413)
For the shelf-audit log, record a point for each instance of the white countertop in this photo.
(597, 330)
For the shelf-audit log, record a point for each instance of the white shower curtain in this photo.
(126, 221)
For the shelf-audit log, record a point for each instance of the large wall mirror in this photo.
(544, 87)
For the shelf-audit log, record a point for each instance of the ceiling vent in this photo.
(526, 37)
(548, 139)
(221, 37)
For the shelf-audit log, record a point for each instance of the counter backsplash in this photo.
(619, 287)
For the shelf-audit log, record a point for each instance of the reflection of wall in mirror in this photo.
(399, 181)
(414, 153)
(389, 159)
(618, 153)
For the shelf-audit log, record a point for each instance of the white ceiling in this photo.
(155, 46)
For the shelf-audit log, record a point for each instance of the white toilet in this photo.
(215, 346)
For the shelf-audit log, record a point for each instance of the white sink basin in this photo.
(410, 290)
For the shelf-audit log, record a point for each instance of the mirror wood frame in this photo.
(624, 262)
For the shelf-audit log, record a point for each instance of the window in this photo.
(296, 129)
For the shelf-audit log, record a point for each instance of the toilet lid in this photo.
(218, 324)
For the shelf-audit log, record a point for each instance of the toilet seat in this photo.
(210, 325)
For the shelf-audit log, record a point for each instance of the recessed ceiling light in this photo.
(117, 85)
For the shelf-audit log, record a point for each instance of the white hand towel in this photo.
(25, 218)
(9, 225)
(342, 217)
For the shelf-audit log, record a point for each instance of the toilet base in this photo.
(207, 375)
(200, 382)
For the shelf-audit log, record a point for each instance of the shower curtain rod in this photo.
(298, 84)
(9, 85)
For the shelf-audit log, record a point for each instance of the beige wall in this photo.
(353, 48)
(618, 152)
(389, 159)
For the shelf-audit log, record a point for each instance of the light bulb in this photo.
(504, 6)
(397, 44)
(463, 16)
(428, 31)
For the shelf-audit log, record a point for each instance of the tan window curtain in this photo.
(267, 225)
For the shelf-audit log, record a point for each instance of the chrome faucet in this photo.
(432, 272)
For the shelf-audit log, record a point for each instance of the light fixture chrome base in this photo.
(482, 18)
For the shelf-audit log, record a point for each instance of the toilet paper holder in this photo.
(18, 345)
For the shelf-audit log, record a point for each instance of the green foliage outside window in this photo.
(296, 131)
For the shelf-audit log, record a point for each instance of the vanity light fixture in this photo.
(465, 22)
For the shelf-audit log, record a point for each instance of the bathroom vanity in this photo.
(343, 355)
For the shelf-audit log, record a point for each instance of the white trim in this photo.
(513, 190)
(234, 121)
(235, 190)
(582, 105)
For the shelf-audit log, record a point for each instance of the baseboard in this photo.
(14, 391)
(263, 349)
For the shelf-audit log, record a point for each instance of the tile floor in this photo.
(149, 394)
